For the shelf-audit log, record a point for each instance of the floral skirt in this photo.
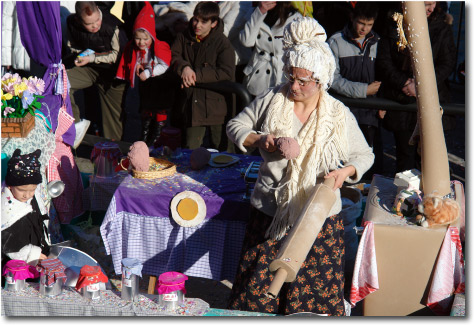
(319, 285)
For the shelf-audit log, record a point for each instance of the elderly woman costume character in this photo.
(331, 145)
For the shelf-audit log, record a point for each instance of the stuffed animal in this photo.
(289, 148)
(139, 156)
(436, 210)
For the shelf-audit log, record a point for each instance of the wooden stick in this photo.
(151, 284)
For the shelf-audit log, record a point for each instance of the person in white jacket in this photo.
(25, 221)
(14, 55)
(264, 33)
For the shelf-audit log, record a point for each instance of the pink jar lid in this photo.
(16, 265)
(20, 270)
(169, 278)
(170, 282)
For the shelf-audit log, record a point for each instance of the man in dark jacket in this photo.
(394, 69)
(93, 29)
(202, 54)
(355, 50)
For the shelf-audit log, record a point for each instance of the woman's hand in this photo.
(267, 142)
(43, 257)
(188, 77)
(82, 61)
(265, 6)
(340, 175)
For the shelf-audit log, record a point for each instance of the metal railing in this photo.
(229, 87)
(390, 105)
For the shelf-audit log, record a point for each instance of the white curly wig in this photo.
(304, 45)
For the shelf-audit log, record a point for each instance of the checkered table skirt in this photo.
(210, 250)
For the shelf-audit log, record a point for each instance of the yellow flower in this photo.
(6, 96)
(20, 88)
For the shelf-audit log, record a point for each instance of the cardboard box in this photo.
(406, 256)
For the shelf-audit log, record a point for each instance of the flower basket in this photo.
(17, 127)
(19, 102)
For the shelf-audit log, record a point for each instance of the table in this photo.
(138, 222)
(402, 269)
(70, 303)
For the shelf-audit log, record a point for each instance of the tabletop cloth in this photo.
(448, 276)
(29, 302)
(138, 221)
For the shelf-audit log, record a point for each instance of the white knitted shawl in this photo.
(323, 145)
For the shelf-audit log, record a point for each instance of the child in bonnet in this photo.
(25, 234)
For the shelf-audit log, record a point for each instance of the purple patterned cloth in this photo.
(40, 33)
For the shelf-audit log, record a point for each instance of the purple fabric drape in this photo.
(40, 32)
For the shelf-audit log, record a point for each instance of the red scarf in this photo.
(145, 20)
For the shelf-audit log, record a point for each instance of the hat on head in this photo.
(146, 20)
(304, 45)
(24, 169)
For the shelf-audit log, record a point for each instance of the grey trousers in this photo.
(110, 94)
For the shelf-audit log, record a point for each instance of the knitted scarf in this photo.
(323, 145)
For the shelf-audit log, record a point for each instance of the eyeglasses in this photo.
(302, 82)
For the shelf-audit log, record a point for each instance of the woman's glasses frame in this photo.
(302, 82)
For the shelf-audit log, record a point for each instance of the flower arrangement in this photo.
(19, 95)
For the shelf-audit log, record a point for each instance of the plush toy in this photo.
(436, 210)
(288, 147)
(139, 156)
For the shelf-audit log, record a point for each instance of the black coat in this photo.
(212, 60)
(393, 67)
(30, 229)
(99, 42)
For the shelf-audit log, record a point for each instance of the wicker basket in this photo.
(168, 170)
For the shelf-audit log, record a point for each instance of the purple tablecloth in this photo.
(138, 222)
(221, 188)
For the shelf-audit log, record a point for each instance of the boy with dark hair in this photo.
(202, 54)
(207, 10)
(355, 50)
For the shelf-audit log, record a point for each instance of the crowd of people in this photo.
(290, 63)
(164, 49)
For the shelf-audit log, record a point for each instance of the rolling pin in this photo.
(301, 237)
